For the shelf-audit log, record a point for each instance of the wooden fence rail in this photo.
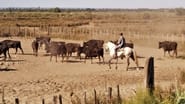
(71, 32)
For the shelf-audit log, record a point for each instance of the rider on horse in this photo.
(121, 43)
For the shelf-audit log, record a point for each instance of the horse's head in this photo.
(106, 47)
(109, 46)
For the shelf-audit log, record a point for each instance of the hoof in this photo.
(137, 68)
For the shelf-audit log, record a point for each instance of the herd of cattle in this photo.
(91, 48)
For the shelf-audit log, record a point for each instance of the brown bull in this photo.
(169, 46)
(56, 49)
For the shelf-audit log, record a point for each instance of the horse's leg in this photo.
(116, 63)
(128, 63)
(110, 63)
(135, 59)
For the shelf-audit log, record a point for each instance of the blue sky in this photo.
(94, 3)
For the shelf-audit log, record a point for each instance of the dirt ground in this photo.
(31, 78)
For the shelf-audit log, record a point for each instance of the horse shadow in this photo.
(135, 68)
(7, 69)
(141, 57)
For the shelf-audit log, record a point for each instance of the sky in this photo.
(128, 4)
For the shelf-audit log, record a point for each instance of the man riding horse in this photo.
(120, 44)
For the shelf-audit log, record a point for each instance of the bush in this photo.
(182, 77)
(143, 97)
(180, 11)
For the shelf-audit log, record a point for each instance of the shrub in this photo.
(143, 97)
(180, 11)
(182, 77)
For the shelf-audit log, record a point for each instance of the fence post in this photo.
(54, 99)
(118, 96)
(43, 101)
(85, 98)
(95, 97)
(48, 30)
(16, 101)
(149, 74)
(60, 99)
(110, 95)
(3, 100)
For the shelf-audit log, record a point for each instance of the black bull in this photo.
(13, 44)
(94, 43)
(91, 52)
(4, 50)
(169, 46)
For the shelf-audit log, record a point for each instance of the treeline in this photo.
(57, 9)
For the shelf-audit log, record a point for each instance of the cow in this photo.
(57, 49)
(4, 50)
(13, 44)
(91, 52)
(94, 43)
(35, 47)
(43, 40)
(53, 43)
(72, 47)
(169, 46)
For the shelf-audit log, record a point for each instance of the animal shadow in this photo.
(10, 60)
(181, 57)
(135, 68)
(73, 61)
(7, 69)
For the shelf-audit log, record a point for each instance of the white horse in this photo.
(124, 52)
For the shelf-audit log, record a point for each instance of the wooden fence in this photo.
(85, 33)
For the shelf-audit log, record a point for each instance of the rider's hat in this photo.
(121, 34)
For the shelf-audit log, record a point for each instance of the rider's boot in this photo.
(116, 53)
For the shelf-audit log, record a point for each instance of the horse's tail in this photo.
(135, 58)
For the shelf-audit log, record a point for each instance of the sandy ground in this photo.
(31, 78)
